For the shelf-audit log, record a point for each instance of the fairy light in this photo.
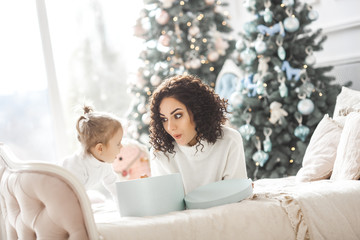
(136, 115)
(292, 148)
(197, 48)
(259, 97)
(172, 52)
(226, 13)
(265, 85)
(224, 23)
(192, 46)
(175, 19)
(146, 89)
(218, 2)
(257, 163)
(182, 3)
(320, 94)
(291, 161)
(212, 84)
(211, 69)
(204, 40)
(249, 109)
(282, 5)
(305, 66)
(200, 17)
(168, 59)
(163, 32)
(193, 40)
(148, 93)
(172, 69)
(188, 24)
(203, 61)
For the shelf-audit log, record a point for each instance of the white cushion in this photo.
(320, 154)
(347, 98)
(347, 163)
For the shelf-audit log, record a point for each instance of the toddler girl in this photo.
(100, 135)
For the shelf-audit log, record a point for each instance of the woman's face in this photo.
(178, 121)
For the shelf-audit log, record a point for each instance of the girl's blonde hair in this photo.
(96, 127)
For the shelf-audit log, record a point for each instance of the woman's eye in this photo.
(178, 115)
(163, 120)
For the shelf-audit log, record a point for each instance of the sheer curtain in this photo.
(57, 55)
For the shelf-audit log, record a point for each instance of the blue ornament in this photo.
(260, 157)
(288, 2)
(249, 28)
(267, 142)
(270, 30)
(260, 89)
(290, 72)
(305, 106)
(291, 24)
(301, 132)
(248, 56)
(260, 46)
(247, 131)
(313, 15)
(268, 15)
(249, 85)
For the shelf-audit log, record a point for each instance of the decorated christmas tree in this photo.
(180, 37)
(283, 95)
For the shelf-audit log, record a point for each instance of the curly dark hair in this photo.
(208, 110)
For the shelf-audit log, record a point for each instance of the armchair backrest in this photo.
(42, 201)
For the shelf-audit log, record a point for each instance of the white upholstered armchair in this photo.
(42, 201)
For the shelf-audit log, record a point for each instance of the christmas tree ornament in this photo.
(259, 156)
(277, 113)
(301, 131)
(166, 3)
(249, 28)
(263, 65)
(250, 4)
(268, 14)
(260, 45)
(291, 72)
(267, 142)
(281, 51)
(260, 88)
(283, 90)
(247, 130)
(288, 2)
(236, 100)
(305, 106)
(312, 14)
(248, 56)
(307, 87)
(249, 85)
(141, 108)
(155, 80)
(213, 56)
(291, 23)
(270, 31)
(162, 17)
(310, 59)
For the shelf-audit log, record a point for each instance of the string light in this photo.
(182, 3)
(257, 163)
(291, 161)
(200, 17)
(193, 40)
(172, 52)
(305, 66)
(197, 48)
(320, 94)
(188, 24)
(168, 59)
(212, 84)
(175, 19)
(192, 46)
(204, 40)
(148, 93)
(224, 23)
(211, 69)
(292, 148)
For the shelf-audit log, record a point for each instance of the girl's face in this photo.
(112, 149)
(178, 121)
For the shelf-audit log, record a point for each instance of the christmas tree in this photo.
(180, 37)
(283, 96)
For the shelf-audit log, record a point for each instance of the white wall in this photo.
(340, 21)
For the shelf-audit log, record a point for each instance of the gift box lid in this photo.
(219, 193)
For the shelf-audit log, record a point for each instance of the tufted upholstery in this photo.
(42, 201)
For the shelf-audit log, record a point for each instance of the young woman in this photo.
(188, 135)
(100, 135)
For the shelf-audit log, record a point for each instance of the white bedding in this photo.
(279, 209)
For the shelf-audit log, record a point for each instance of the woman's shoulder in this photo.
(230, 133)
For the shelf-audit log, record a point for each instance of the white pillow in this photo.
(347, 163)
(347, 98)
(320, 154)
